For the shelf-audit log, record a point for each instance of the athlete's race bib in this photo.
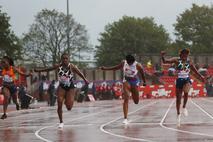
(65, 80)
(7, 78)
(183, 74)
(129, 72)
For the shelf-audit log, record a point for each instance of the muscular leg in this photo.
(61, 94)
(69, 99)
(135, 94)
(6, 93)
(186, 89)
(126, 99)
(178, 99)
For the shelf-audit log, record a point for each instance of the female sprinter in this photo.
(9, 88)
(66, 89)
(183, 83)
(131, 81)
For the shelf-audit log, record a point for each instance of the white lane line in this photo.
(43, 128)
(122, 136)
(178, 130)
(184, 123)
(164, 117)
(40, 137)
(208, 114)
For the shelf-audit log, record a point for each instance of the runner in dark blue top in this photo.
(183, 83)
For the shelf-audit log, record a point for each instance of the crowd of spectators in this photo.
(109, 90)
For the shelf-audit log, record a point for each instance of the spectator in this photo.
(94, 90)
(25, 99)
(171, 70)
(45, 92)
(209, 86)
(40, 92)
(203, 71)
(52, 93)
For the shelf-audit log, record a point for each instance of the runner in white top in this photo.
(183, 82)
(131, 80)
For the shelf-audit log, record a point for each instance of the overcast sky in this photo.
(95, 14)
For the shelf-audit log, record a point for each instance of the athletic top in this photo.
(130, 70)
(183, 69)
(65, 75)
(8, 75)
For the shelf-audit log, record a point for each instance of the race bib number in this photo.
(7, 78)
(183, 74)
(129, 72)
(65, 80)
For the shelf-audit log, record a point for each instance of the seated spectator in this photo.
(203, 71)
(158, 67)
(52, 93)
(197, 66)
(158, 70)
(171, 71)
(209, 86)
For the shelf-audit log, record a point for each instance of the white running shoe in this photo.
(125, 121)
(178, 120)
(61, 125)
(185, 112)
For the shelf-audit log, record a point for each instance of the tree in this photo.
(9, 43)
(194, 29)
(47, 37)
(130, 36)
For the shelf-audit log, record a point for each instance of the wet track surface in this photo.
(101, 121)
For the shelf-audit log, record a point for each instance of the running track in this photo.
(101, 121)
